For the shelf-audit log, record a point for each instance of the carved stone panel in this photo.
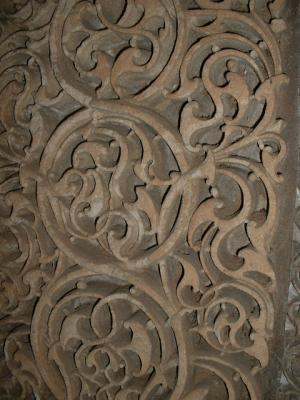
(146, 168)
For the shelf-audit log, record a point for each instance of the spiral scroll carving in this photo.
(142, 156)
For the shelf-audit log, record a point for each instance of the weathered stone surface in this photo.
(290, 380)
(146, 170)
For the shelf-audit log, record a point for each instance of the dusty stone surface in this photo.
(290, 380)
(146, 169)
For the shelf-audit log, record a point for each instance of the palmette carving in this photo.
(141, 156)
(116, 338)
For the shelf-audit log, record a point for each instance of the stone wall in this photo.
(148, 158)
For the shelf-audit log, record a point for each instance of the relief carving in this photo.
(142, 152)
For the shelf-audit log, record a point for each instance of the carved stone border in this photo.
(290, 382)
(146, 168)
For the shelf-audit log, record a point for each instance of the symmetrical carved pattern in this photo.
(141, 165)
